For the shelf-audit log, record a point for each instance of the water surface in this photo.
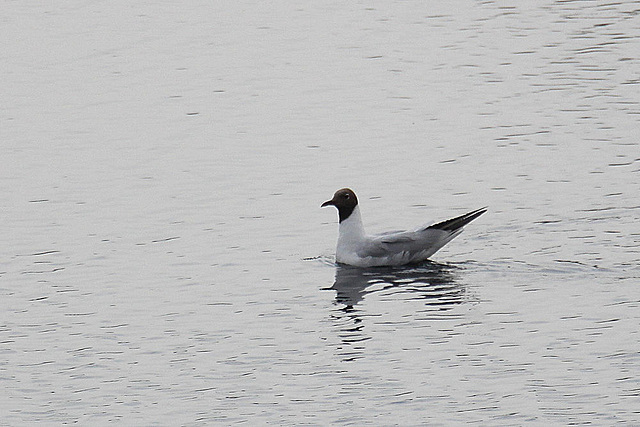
(165, 259)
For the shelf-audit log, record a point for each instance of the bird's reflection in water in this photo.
(435, 283)
(430, 282)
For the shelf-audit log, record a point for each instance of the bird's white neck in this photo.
(351, 228)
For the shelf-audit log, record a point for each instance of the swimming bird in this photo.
(359, 249)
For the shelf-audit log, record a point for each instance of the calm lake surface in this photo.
(165, 260)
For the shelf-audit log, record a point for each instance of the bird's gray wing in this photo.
(420, 244)
(408, 242)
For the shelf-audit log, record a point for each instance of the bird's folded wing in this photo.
(407, 241)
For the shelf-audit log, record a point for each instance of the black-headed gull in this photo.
(357, 248)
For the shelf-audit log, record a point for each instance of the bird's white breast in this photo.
(351, 238)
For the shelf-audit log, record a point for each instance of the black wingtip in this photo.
(459, 221)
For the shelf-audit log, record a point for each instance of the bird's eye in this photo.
(346, 196)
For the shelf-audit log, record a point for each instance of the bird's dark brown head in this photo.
(345, 200)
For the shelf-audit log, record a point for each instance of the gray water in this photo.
(165, 260)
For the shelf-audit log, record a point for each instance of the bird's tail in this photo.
(457, 223)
